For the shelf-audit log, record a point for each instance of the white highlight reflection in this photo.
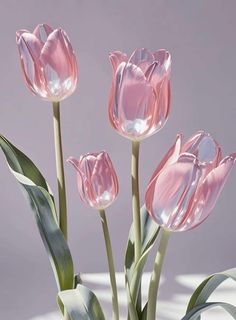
(168, 310)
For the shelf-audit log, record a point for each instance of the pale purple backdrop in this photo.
(201, 37)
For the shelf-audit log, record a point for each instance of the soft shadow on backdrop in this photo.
(201, 37)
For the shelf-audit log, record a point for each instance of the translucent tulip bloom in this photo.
(48, 62)
(96, 179)
(187, 183)
(139, 102)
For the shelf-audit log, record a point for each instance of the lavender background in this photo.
(201, 37)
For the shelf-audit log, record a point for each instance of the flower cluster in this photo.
(183, 189)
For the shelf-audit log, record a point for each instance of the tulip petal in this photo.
(142, 58)
(163, 58)
(58, 69)
(116, 58)
(136, 103)
(27, 45)
(160, 71)
(114, 93)
(208, 193)
(42, 31)
(74, 162)
(162, 104)
(206, 149)
(169, 195)
(19, 33)
(170, 157)
(32, 43)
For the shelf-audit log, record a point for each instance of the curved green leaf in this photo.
(133, 314)
(196, 312)
(208, 286)
(80, 304)
(42, 203)
(149, 233)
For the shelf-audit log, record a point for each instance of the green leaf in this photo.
(149, 233)
(196, 312)
(144, 312)
(41, 200)
(80, 304)
(133, 314)
(208, 286)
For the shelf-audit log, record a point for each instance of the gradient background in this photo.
(201, 37)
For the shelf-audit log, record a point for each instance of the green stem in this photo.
(60, 169)
(155, 277)
(115, 306)
(66, 316)
(135, 199)
(136, 215)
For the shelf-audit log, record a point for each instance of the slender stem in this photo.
(136, 216)
(155, 277)
(66, 316)
(135, 199)
(60, 169)
(115, 306)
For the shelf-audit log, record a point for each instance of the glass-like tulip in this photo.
(139, 102)
(96, 179)
(187, 183)
(48, 62)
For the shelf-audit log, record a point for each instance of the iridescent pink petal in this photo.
(162, 104)
(19, 33)
(163, 58)
(162, 69)
(42, 31)
(168, 196)
(29, 48)
(206, 149)
(116, 58)
(142, 58)
(170, 157)
(208, 193)
(57, 65)
(32, 43)
(114, 93)
(136, 103)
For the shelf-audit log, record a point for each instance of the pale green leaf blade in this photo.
(133, 273)
(80, 304)
(41, 200)
(196, 312)
(208, 286)
(149, 230)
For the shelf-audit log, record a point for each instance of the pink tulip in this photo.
(187, 183)
(96, 179)
(139, 102)
(48, 62)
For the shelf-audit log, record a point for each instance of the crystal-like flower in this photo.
(96, 179)
(48, 62)
(139, 102)
(187, 183)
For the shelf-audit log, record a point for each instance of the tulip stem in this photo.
(136, 214)
(135, 199)
(66, 316)
(115, 305)
(60, 169)
(156, 274)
